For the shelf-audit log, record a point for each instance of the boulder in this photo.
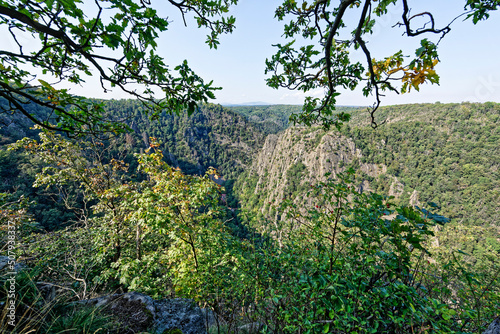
(494, 327)
(137, 313)
(133, 311)
(179, 313)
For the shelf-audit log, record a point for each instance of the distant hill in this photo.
(445, 153)
(270, 118)
(213, 136)
(275, 118)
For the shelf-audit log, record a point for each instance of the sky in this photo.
(469, 55)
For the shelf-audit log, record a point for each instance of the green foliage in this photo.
(345, 262)
(80, 320)
(30, 310)
(349, 262)
(467, 261)
(335, 247)
(18, 172)
(338, 261)
(118, 43)
(213, 137)
(480, 8)
(144, 234)
(444, 153)
(342, 261)
(14, 217)
(319, 41)
(447, 152)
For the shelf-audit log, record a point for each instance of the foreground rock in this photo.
(179, 313)
(494, 327)
(140, 313)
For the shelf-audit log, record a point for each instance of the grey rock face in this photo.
(179, 313)
(137, 313)
(494, 327)
(320, 152)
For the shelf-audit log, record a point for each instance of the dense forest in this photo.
(213, 137)
(445, 153)
(246, 213)
(442, 153)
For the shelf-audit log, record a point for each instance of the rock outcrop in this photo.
(137, 313)
(494, 327)
(179, 313)
(289, 162)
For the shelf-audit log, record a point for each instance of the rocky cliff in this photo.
(290, 162)
(447, 154)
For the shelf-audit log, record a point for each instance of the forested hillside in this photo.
(447, 154)
(163, 214)
(272, 119)
(212, 137)
(444, 153)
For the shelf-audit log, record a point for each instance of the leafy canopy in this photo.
(62, 40)
(320, 38)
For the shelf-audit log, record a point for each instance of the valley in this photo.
(281, 207)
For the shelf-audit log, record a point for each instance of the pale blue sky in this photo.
(469, 67)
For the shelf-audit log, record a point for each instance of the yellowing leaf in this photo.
(46, 84)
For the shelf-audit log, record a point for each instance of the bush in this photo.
(351, 263)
